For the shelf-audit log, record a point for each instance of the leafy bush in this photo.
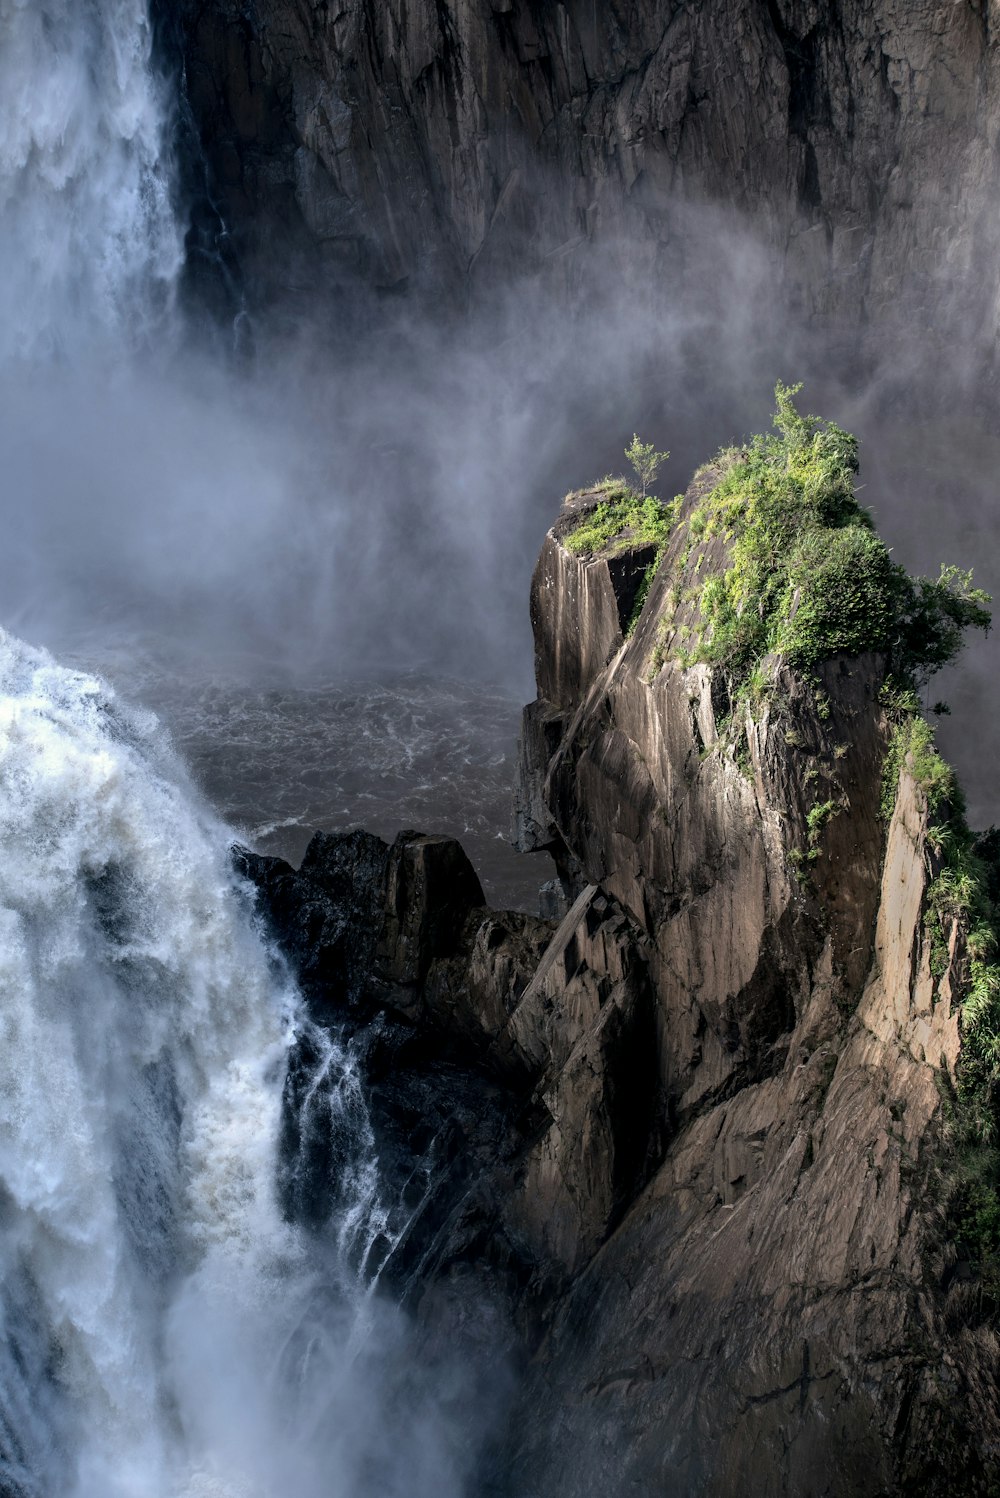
(843, 595)
(808, 578)
(937, 617)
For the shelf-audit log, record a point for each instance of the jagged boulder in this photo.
(430, 890)
(326, 917)
(359, 912)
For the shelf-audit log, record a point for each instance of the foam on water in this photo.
(166, 1332)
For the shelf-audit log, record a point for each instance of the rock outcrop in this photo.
(449, 143)
(690, 1138)
(768, 1316)
(547, 1031)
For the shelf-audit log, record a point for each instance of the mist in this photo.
(363, 506)
(348, 511)
(374, 505)
(168, 1327)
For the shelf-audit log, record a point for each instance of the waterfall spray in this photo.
(89, 242)
(172, 1324)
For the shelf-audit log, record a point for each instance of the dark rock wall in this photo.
(412, 143)
(769, 1314)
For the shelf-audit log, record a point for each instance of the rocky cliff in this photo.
(696, 1144)
(448, 143)
(768, 1316)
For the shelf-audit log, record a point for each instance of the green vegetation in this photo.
(798, 573)
(962, 905)
(625, 519)
(819, 815)
(777, 560)
(643, 592)
(807, 576)
(816, 821)
(912, 739)
(621, 521)
(646, 462)
(964, 896)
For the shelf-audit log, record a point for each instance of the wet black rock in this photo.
(327, 916)
(448, 144)
(400, 960)
(430, 890)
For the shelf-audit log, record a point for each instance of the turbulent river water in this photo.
(280, 759)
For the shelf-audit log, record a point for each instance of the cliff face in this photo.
(690, 1139)
(768, 1315)
(433, 144)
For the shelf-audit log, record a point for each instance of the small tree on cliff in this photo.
(645, 460)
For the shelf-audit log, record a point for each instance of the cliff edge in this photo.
(784, 1307)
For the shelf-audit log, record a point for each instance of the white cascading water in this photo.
(89, 243)
(165, 1331)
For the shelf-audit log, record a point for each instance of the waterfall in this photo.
(89, 243)
(141, 1042)
(177, 1318)
(166, 1332)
